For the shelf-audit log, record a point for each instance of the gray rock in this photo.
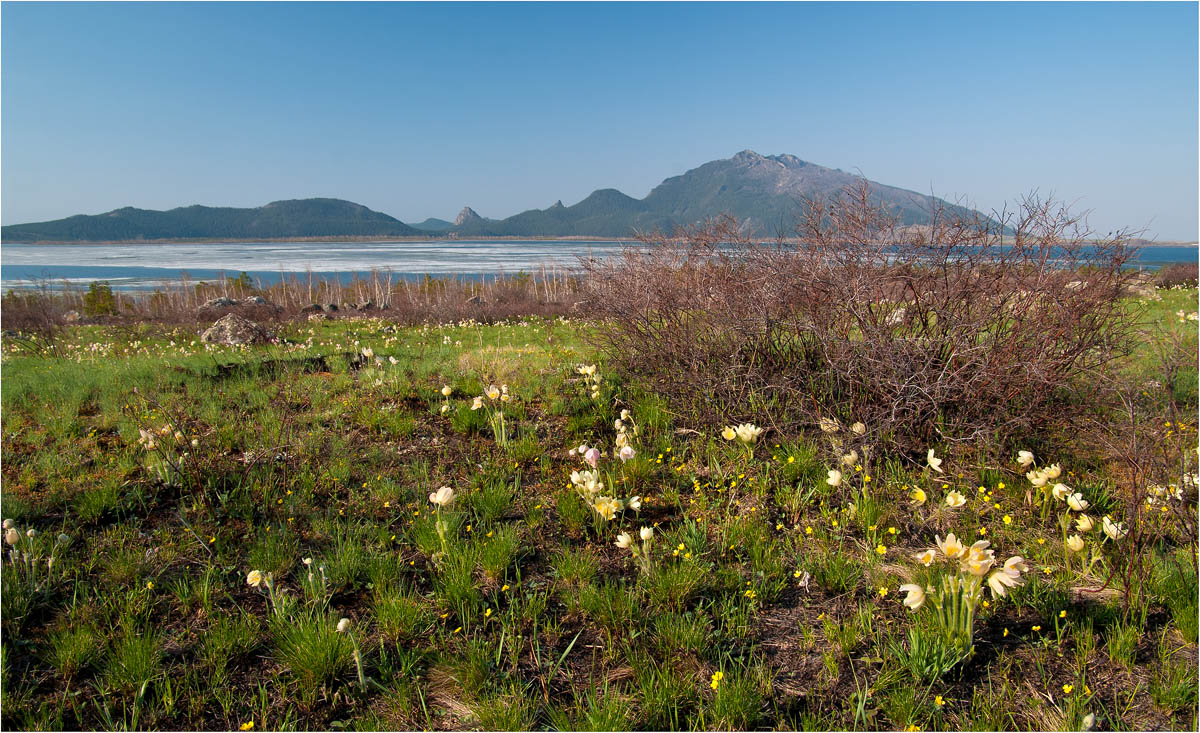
(235, 330)
(221, 302)
(255, 300)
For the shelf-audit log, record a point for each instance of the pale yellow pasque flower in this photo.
(589, 481)
(858, 428)
(955, 499)
(916, 595)
(951, 547)
(1015, 565)
(747, 432)
(926, 558)
(835, 478)
(1060, 492)
(918, 496)
(446, 390)
(444, 409)
(1075, 543)
(1084, 523)
(255, 578)
(12, 536)
(343, 625)
(1076, 502)
(443, 496)
(1115, 530)
(828, 426)
(1053, 471)
(1000, 581)
(850, 458)
(492, 392)
(934, 462)
(646, 533)
(1037, 477)
(624, 540)
(1024, 458)
(476, 403)
(635, 503)
(607, 507)
(728, 433)
(979, 559)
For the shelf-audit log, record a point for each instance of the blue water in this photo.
(136, 266)
(130, 266)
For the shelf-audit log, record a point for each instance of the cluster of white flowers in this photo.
(746, 432)
(625, 542)
(492, 393)
(591, 379)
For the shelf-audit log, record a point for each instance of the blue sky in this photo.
(417, 110)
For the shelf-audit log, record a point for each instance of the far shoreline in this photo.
(402, 240)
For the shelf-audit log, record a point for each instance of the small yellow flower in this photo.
(457, 630)
(487, 613)
(939, 700)
(150, 585)
(883, 591)
(1041, 540)
(1067, 689)
(248, 725)
(504, 588)
(1037, 628)
(1062, 614)
(1005, 634)
(716, 679)
(880, 550)
(1007, 519)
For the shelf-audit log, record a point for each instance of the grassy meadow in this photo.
(257, 538)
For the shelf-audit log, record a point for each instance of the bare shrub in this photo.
(1181, 275)
(948, 331)
(378, 294)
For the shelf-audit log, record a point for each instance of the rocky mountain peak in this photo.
(466, 215)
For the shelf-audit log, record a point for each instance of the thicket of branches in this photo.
(438, 300)
(962, 329)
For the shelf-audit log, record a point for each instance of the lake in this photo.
(140, 266)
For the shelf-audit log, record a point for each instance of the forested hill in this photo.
(277, 220)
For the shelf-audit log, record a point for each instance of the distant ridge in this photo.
(433, 225)
(277, 220)
(764, 193)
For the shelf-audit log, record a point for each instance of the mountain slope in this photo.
(763, 192)
(279, 219)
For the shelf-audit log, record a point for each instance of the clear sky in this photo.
(418, 110)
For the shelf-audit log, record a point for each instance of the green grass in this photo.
(767, 602)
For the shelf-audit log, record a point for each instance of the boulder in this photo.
(221, 302)
(235, 330)
(255, 300)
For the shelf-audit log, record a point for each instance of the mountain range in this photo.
(763, 192)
